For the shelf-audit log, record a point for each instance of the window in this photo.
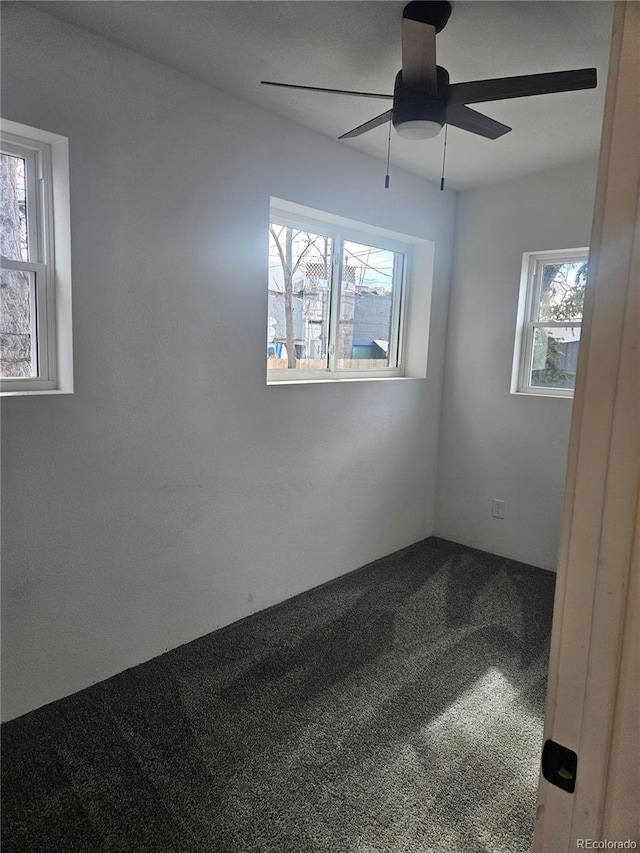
(550, 318)
(35, 282)
(335, 299)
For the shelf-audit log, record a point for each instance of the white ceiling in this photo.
(355, 44)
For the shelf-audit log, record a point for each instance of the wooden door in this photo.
(592, 701)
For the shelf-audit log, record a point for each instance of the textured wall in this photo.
(175, 492)
(496, 444)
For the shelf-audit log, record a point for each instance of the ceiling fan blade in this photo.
(383, 118)
(330, 91)
(467, 119)
(419, 56)
(477, 91)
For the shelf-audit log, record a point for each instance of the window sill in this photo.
(338, 381)
(547, 394)
(34, 393)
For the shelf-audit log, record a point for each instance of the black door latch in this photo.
(559, 765)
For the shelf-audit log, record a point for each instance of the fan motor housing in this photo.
(434, 12)
(413, 105)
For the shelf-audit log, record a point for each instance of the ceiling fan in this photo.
(424, 100)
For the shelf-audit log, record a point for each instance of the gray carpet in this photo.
(397, 709)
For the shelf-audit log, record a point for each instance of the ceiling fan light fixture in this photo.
(419, 129)
(424, 100)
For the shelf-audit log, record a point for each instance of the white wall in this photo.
(174, 492)
(495, 444)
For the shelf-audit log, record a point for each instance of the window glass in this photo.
(555, 356)
(551, 304)
(298, 298)
(334, 302)
(36, 346)
(369, 276)
(562, 291)
(17, 315)
(13, 212)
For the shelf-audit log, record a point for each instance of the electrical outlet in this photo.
(497, 509)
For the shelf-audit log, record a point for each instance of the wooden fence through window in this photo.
(321, 363)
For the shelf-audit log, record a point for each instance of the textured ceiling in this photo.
(356, 45)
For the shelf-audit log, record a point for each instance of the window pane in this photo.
(555, 357)
(13, 208)
(562, 291)
(17, 312)
(298, 302)
(369, 276)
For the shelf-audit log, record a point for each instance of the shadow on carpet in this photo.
(398, 709)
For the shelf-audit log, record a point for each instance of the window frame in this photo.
(48, 228)
(340, 233)
(529, 300)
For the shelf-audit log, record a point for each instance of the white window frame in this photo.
(340, 230)
(48, 223)
(530, 284)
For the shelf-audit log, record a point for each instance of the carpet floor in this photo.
(397, 709)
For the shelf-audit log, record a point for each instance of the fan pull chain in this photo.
(444, 154)
(386, 178)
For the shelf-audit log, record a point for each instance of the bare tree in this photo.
(289, 269)
(15, 327)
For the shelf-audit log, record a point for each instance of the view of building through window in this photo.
(331, 302)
